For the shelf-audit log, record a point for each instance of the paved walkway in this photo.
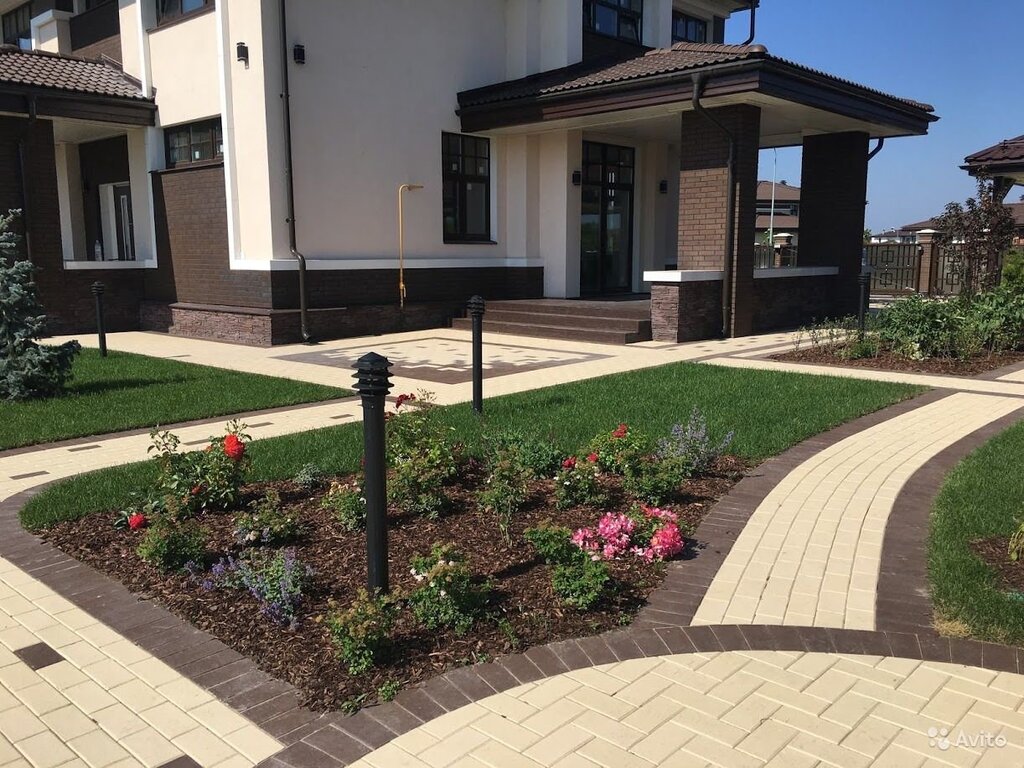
(73, 692)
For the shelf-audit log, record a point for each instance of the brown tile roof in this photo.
(1007, 151)
(660, 61)
(38, 69)
(783, 192)
(782, 223)
(1017, 209)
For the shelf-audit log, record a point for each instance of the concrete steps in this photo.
(602, 322)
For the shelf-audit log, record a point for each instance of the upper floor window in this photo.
(17, 26)
(194, 142)
(614, 18)
(169, 10)
(687, 29)
(466, 200)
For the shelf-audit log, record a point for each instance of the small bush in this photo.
(265, 522)
(423, 456)
(348, 504)
(309, 477)
(276, 579)
(171, 545)
(621, 449)
(576, 483)
(656, 481)
(1013, 271)
(449, 597)
(360, 633)
(693, 443)
(506, 487)
(542, 457)
(576, 577)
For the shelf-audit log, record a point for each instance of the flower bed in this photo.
(488, 555)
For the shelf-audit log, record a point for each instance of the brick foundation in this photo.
(789, 302)
(686, 311)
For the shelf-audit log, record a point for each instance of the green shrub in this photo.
(576, 483)
(1013, 271)
(361, 632)
(310, 477)
(621, 449)
(348, 504)
(197, 481)
(576, 578)
(506, 487)
(170, 545)
(693, 443)
(265, 522)
(27, 370)
(449, 595)
(542, 457)
(423, 456)
(655, 481)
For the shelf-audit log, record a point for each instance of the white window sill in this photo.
(104, 265)
(683, 276)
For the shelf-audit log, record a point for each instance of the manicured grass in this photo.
(769, 410)
(983, 497)
(126, 391)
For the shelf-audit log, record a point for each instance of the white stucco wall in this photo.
(185, 69)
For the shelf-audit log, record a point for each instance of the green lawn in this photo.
(126, 391)
(769, 410)
(982, 497)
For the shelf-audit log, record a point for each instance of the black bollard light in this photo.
(864, 280)
(97, 291)
(373, 383)
(476, 313)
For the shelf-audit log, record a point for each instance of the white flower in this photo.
(419, 577)
(443, 593)
(362, 499)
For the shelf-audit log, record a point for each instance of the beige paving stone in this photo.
(20, 723)
(168, 719)
(108, 672)
(68, 722)
(44, 750)
(499, 729)
(151, 749)
(767, 739)
(98, 749)
(89, 697)
(452, 747)
(184, 693)
(253, 743)
(42, 698)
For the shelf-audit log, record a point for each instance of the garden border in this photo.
(661, 628)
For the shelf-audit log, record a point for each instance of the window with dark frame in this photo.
(466, 198)
(17, 25)
(194, 143)
(169, 10)
(622, 19)
(687, 29)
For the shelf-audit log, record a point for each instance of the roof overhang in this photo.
(52, 102)
(1014, 171)
(759, 81)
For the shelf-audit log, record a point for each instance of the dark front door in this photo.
(606, 235)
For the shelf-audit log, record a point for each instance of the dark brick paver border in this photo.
(313, 740)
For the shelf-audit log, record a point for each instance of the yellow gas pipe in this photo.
(401, 242)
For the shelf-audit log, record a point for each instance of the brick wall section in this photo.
(686, 311)
(703, 176)
(789, 302)
(65, 294)
(832, 198)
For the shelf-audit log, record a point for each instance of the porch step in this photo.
(638, 309)
(566, 331)
(554, 319)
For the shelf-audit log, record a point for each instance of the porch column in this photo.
(703, 177)
(833, 194)
(561, 153)
(144, 148)
(69, 201)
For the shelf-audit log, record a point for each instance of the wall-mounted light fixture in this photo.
(242, 53)
(577, 178)
(299, 54)
(663, 186)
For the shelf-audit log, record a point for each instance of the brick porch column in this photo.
(926, 241)
(703, 157)
(833, 193)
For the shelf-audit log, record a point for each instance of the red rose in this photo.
(403, 399)
(234, 448)
(592, 458)
(569, 463)
(136, 521)
(196, 490)
(620, 431)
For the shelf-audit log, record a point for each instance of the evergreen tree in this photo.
(27, 369)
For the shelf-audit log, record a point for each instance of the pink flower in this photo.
(660, 514)
(592, 458)
(569, 463)
(585, 539)
(620, 431)
(666, 541)
(136, 521)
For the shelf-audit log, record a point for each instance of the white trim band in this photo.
(288, 265)
(773, 272)
(101, 265)
(683, 276)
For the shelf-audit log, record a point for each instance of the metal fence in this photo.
(947, 270)
(769, 256)
(895, 268)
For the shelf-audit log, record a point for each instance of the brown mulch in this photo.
(531, 614)
(890, 362)
(993, 551)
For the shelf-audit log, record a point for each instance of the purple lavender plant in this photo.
(276, 580)
(693, 443)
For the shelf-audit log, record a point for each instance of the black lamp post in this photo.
(476, 312)
(373, 383)
(864, 280)
(97, 291)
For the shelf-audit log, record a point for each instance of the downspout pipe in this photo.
(290, 178)
(753, 23)
(877, 149)
(23, 158)
(729, 263)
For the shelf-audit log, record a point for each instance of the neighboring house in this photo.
(1003, 163)
(1016, 209)
(563, 149)
(901, 235)
(787, 211)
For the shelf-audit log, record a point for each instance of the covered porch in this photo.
(640, 176)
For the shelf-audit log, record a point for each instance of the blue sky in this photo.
(962, 57)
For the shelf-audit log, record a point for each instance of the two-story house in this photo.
(234, 169)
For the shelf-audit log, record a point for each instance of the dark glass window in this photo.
(168, 10)
(194, 143)
(466, 172)
(17, 25)
(614, 18)
(688, 29)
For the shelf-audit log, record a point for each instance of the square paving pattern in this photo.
(447, 361)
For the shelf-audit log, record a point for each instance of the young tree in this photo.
(27, 369)
(982, 228)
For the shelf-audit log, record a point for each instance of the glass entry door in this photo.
(606, 235)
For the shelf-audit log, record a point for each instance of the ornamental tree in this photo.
(982, 228)
(27, 369)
